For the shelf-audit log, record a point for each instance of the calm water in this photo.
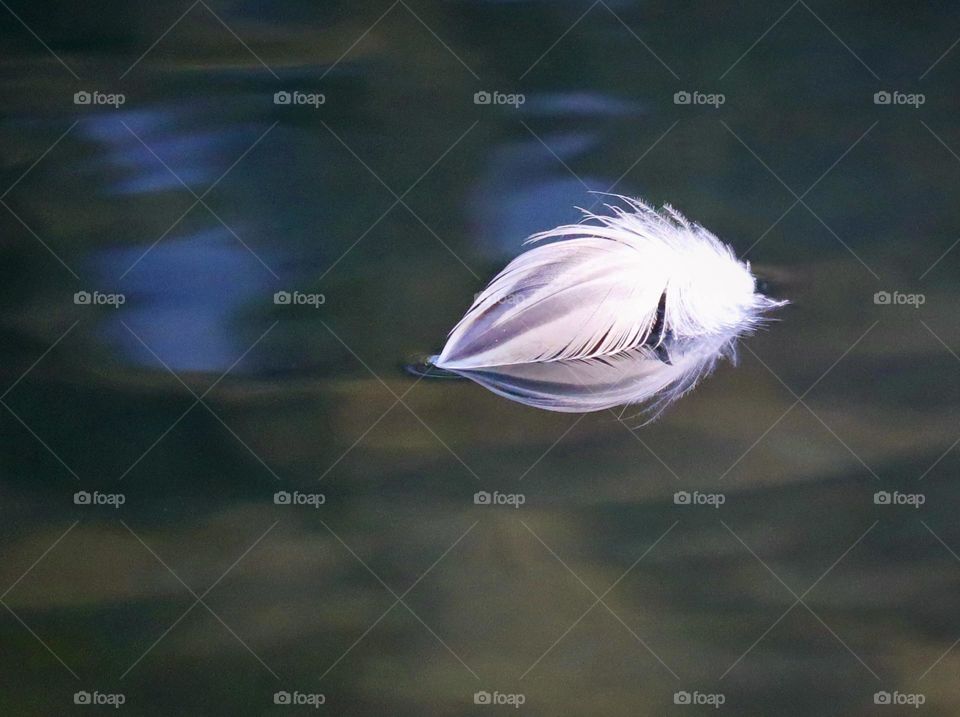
(785, 587)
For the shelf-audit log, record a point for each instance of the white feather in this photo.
(591, 302)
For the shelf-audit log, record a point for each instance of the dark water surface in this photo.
(199, 398)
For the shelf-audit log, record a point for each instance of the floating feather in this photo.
(634, 307)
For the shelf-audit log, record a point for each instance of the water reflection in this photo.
(624, 379)
(132, 148)
(184, 301)
(202, 246)
(521, 190)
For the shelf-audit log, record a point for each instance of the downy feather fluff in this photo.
(631, 307)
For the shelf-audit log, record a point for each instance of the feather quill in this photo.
(630, 307)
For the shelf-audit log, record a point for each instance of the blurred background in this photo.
(217, 501)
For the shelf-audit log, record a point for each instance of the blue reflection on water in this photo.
(193, 155)
(534, 184)
(186, 295)
(183, 300)
(525, 189)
